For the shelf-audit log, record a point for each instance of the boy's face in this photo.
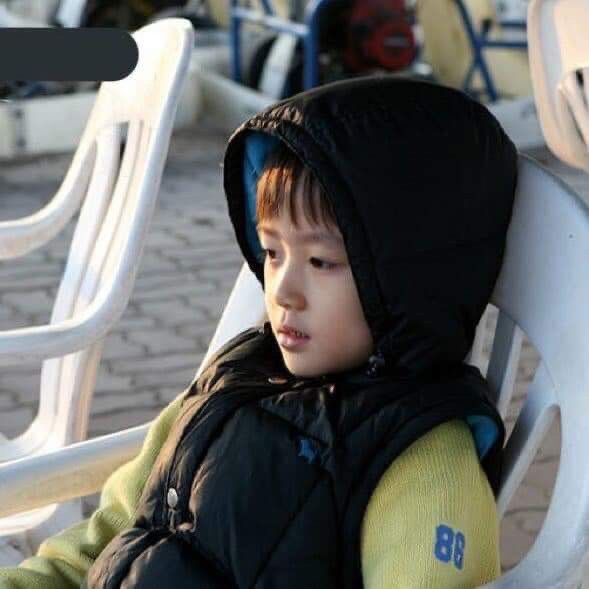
(309, 286)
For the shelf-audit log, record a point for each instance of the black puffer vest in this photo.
(265, 478)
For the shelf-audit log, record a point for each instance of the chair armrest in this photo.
(67, 473)
(21, 236)
(34, 344)
(91, 171)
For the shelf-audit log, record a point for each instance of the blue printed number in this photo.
(449, 544)
(459, 550)
(444, 541)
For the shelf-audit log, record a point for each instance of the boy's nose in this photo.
(290, 299)
(287, 287)
(288, 294)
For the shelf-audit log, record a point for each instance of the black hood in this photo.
(422, 180)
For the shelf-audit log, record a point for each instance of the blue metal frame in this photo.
(307, 31)
(478, 42)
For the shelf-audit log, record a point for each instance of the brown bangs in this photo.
(284, 177)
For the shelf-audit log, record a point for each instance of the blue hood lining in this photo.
(257, 148)
(484, 431)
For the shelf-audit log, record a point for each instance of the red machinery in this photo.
(380, 34)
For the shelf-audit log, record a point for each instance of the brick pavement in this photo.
(188, 268)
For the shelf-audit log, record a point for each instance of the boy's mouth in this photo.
(291, 341)
(290, 338)
(291, 331)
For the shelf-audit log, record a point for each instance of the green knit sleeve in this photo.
(63, 560)
(431, 522)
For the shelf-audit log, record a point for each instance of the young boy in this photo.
(345, 443)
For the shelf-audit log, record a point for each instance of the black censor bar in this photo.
(76, 54)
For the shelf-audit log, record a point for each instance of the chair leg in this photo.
(479, 64)
(476, 40)
(468, 79)
(486, 74)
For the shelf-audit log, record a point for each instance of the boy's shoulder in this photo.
(450, 437)
(440, 449)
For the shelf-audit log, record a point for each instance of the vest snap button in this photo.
(172, 498)
(331, 389)
(277, 380)
(184, 527)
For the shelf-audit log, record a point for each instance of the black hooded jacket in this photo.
(265, 477)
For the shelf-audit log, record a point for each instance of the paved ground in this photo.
(187, 271)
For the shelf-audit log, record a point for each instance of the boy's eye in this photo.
(322, 264)
(315, 262)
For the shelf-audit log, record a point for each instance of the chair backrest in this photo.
(543, 291)
(119, 195)
(244, 308)
(559, 66)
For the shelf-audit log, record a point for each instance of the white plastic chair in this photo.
(548, 245)
(559, 65)
(118, 197)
